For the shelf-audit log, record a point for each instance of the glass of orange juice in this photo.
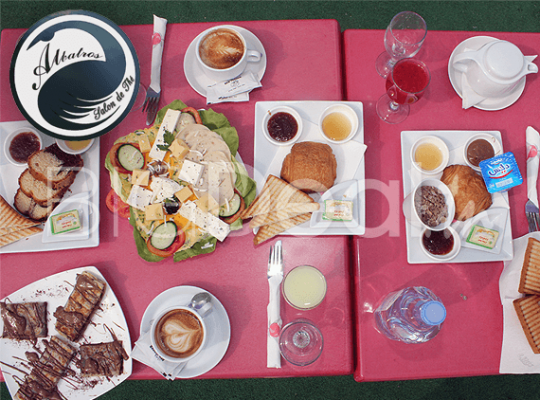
(304, 287)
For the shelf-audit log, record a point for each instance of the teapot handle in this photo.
(460, 61)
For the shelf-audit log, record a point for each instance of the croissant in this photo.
(469, 191)
(310, 167)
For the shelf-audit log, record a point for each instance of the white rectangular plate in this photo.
(55, 290)
(455, 141)
(87, 180)
(268, 157)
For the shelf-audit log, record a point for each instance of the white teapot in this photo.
(495, 69)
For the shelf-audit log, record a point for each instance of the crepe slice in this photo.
(18, 235)
(102, 359)
(528, 311)
(269, 231)
(24, 321)
(72, 319)
(529, 282)
(46, 371)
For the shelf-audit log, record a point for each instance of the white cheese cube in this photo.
(205, 221)
(168, 124)
(139, 197)
(153, 212)
(191, 172)
(140, 177)
(163, 188)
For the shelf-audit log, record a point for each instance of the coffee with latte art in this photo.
(221, 49)
(179, 333)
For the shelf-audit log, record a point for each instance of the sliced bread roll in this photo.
(27, 206)
(39, 191)
(53, 166)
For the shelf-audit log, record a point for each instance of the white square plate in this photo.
(455, 141)
(268, 158)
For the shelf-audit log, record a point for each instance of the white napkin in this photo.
(469, 96)
(517, 356)
(158, 38)
(349, 156)
(144, 352)
(533, 146)
(273, 355)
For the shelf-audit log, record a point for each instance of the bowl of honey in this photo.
(430, 155)
(338, 123)
(74, 146)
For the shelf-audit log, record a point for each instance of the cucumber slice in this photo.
(233, 206)
(130, 157)
(164, 235)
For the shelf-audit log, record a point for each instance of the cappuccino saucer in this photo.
(199, 81)
(489, 104)
(217, 323)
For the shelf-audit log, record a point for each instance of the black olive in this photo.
(171, 206)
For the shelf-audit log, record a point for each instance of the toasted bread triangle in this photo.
(11, 220)
(269, 231)
(18, 234)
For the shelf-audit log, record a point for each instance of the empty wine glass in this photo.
(139, 99)
(403, 38)
(301, 342)
(404, 85)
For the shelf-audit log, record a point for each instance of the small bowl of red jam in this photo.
(440, 245)
(20, 144)
(74, 146)
(282, 125)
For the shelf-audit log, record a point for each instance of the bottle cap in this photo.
(433, 313)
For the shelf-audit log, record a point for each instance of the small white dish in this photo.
(345, 110)
(497, 148)
(282, 109)
(74, 147)
(197, 78)
(446, 257)
(490, 104)
(12, 135)
(80, 202)
(443, 148)
(347, 190)
(492, 218)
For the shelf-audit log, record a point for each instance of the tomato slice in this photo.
(193, 112)
(113, 155)
(234, 217)
(116, 205)
(173, 248)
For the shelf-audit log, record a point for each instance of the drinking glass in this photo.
(405, 85)
(139, 99)
(301, 342)
(403, 38)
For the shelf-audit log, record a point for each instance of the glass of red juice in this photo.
(404, 85)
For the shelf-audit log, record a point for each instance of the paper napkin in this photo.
(533, 146)
(145, 353)
(273, 355)
(469, 96)
(517, 356)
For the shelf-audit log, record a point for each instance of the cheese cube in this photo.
(207, 203)
(168, 124)
(140, 177)
(163, 188)
(144, 143)
(205, 221)
(184, 194)
(153, 212)
(179, 148)
(139, 197)
(191, 172)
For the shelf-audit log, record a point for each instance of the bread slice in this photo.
(290, 210)
(528, 311)
(529, 282)
(11, 220)
(8, 238)
(27, 206)
(42, 193)
(54, 167)
(269, 231)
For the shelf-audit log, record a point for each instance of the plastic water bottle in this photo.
(411, 315)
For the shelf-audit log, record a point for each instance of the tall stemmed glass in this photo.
(403, 38)
(404, 85)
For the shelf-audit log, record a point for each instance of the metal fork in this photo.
(533, 216)
(275, 260)
(150, 105)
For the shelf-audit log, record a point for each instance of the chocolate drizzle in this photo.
(24, 321)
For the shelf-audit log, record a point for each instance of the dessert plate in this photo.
(55, 290)
(199, 81)
(217, 323)
(87, 181)
(491, 104)
(455, 140)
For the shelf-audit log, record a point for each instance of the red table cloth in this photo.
(471, 337)
(304, 63)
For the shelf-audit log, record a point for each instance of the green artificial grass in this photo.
(516, 16)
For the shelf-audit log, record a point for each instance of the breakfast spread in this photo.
(431, 205)
(479, 150)
(282, 126)
(501, 172)
(310, 167)
(23, 145)
(338, 210)
(438, 243)
(483, 237)
(468, 189)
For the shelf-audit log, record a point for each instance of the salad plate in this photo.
(87, 181)
(217, 322)
(268, 159)
(455, 141)
(55, 290)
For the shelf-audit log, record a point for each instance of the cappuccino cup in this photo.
(178, 334)
(222, 53)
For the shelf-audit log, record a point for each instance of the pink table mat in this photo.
(236, 272)
(471, 337)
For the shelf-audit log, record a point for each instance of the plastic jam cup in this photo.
(304, 287)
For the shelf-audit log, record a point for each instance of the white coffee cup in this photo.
(230, 62)
(174, 316)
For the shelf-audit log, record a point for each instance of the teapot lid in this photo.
(504, 60)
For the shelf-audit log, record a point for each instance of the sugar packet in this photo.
(228, 90)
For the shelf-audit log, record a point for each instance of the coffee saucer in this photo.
(217, 323)
(490, 104)
(199, 81)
